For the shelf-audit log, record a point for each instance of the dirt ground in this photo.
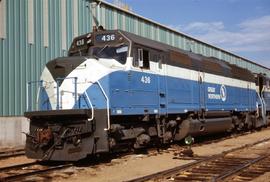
(134, 166)
(263, 178)
(14, 160)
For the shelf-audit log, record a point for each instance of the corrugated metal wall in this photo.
(33, 32)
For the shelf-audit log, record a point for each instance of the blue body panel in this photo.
(132, 96)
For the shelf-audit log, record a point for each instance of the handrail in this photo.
(92, 108)
(264, 105)
(38, 92)
(108, 105)
(28, 93)
(75, 95)
(57, 90)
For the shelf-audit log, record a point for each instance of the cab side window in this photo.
(160, 61)
(143, 59)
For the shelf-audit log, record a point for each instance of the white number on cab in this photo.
(107, 38)
(146, 79)
(80, 42)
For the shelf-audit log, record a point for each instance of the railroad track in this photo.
(252, 171)
(239, 164)
(202, 141)
(21, 171)
(11, 153)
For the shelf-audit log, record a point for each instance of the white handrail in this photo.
(37, 99)
(92, 108)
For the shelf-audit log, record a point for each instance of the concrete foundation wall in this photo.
(11, 129)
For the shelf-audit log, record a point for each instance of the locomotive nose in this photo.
(71, 78)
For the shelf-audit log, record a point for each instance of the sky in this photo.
(238, 26)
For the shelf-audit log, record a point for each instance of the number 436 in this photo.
(146, 79)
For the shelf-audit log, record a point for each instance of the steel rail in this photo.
(36, 172)
(11, 153)
(29, 173)
(18, 166)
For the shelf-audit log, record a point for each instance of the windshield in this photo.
(118, 53)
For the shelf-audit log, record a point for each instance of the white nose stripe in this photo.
(87, 73)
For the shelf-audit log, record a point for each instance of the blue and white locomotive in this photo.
(117, 91)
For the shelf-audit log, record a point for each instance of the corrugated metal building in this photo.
(34, 31)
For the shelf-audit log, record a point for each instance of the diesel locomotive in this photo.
(116, 91)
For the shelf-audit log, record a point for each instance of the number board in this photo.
(80, 42)
(105, 37)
